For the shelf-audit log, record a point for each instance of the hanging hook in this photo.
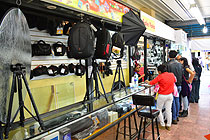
(102, 22)
(18, 2)
(81, 17)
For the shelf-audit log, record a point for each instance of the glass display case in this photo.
(83, 117)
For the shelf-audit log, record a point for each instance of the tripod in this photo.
(17, 85)
(119, 84)
(96, 75)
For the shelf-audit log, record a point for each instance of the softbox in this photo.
(132, 28)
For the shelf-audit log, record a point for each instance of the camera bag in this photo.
(59, 48)
(41, 49)
(52, 70)
(81, 41)
(103, 44)
(63, 69)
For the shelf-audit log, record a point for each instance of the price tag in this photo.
(79, 71)
(50, 71)
(62, 70)
(59, 49)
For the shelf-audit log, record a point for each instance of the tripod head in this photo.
(119, 62)
(17, 67)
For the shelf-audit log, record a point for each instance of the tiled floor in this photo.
(193, 127)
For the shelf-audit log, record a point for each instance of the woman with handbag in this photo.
(188, 76)
(196, 81)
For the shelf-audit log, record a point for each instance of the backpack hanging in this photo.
(59, 48)
(117, 41)
(81, 41)
(103, 44)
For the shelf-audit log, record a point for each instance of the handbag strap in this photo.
(185, 79)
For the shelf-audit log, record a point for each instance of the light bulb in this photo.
(205, 29)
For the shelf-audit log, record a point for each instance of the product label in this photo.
(59, 49)
(62, 70)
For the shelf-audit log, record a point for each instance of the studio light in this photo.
(205, 29)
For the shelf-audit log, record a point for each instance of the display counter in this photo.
(70, 119)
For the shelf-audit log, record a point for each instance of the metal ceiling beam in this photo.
(143, 3)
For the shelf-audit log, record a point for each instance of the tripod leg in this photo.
(119, 79)
(21, 103)
(102, 87)
(33, 102)
(8, 121)
(114, 80)
(123, 80)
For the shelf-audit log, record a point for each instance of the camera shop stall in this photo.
(52, 93)
(152, 47)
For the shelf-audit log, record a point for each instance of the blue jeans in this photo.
(176, 105)
(195, 91)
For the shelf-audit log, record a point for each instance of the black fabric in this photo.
(132, 28)
(186, 74)
(198, 71)
(80, 70)
(103, 44)
(40, 70)
(177, 69)
(41, 49)
(52, 70)
(71, 68)
(185, 89)
(136, 54)
(63, 69)
(81, 41)
(81, 125)
(59, 48)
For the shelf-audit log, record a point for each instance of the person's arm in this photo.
(153, 82)
(192, 74)
(141, 76)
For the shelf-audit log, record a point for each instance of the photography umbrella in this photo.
(132, 28)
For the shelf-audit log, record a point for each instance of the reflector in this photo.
(15, 46)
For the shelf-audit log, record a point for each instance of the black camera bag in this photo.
(81, 41)
(71, 68)
(41, 49)
(59, 49)
(103, 44)
(80, 70)
(63, 69)
(117, 41)
(52, 70)
(39, 70)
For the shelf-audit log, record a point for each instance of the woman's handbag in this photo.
(41, 49)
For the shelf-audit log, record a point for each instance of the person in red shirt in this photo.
(166, 82)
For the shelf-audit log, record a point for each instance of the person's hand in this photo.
(147, 81)
(143, 75)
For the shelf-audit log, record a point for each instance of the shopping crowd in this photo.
(179, 84)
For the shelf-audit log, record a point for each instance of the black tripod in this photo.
(119, 84)
(96, 75)
(17, 85)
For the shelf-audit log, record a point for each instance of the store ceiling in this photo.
(176, 14)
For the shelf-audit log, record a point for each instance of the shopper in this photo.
(176, 68)
(180, 99)
(137, 70)
(188, 76)
(196, 81)
(166, 82)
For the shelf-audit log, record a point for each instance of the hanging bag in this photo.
(81, 41)
(41, 49)
(103, 44)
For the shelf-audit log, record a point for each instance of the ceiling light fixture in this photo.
(194, 10)
(51, 7)
(205, 29)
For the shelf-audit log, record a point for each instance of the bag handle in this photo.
(59, 42)
(41, 42)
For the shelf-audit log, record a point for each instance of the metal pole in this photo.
(129, 63)
(164, 51)
(145, 58)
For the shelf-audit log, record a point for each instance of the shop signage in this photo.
(149, 23)
(104, 8)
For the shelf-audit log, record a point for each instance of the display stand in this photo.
(119, 84)
(96, 76)
(18, 75)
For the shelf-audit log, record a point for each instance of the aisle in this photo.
(197, 124)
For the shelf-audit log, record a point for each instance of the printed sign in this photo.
(149, 23)
(104, 8)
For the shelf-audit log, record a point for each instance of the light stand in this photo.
(119, 84)
(18, 75)
(96, 75)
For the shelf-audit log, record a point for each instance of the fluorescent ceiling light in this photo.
(197, 14)
(191, 1)
(205, 29)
